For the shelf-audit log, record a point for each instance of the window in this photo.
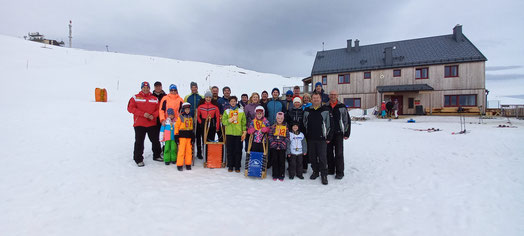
(343, 79)
(421, 73)
(411, 103)
(451, 71)
(324, 80)
(397, 73)
(352, 102)
(469, 100)
(367, 75)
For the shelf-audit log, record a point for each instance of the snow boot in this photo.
(324, 180)
(188, 167)
(140, 164)
(199, 156)
(291, 177)
(274, 179)
(314, 175)
(180, 168)
(339, 176)
(281, 179)
(158, 159)
(300, 177)
(230, 170)
(167, 163)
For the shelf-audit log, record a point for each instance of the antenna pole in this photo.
(70, 34)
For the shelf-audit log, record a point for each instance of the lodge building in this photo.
(425, 75)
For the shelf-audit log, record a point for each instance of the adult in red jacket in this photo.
(208, 108)
(144, 107)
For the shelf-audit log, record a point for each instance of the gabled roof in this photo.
(414, 52)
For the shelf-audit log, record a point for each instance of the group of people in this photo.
(301, 129)
(389, 109)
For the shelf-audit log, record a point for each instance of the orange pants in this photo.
(185, 152)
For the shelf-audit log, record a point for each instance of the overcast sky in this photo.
(279, 37)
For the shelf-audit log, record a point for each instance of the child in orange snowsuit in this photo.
(184, 137)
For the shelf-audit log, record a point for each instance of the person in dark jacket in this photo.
(318, 123)
(320, 90)
(288, 103)
(159, 93)
(341, 131)
(264, 99)
(223, 104)
(295, 115)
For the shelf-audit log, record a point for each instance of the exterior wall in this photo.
(471, 80)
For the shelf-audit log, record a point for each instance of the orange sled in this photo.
(214, 152)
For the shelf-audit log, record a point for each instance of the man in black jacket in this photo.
(317, 123)
(341, 131)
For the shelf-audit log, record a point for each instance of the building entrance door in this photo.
(400, 103)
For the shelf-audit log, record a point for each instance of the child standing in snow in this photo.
(278, 139)
(257, 128)
(383, 108)
(184, 137)
(296, 149)
(167, 136)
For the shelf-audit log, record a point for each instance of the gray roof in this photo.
(404, 88)
(414, 52)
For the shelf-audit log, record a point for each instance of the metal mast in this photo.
(70, 34)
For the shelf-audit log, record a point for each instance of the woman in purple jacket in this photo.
(250, 112)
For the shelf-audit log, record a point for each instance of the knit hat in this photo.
(289, 92)
(158, 83)
(297, 99)
(186, 105)
(208, 94)
(194, 84)
(276, 90)
(172, 87)
(318, 84)
(280, 114)
(145, 83)
(170, 111)
(260, 108)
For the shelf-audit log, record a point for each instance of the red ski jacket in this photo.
(140, 104)
(208, 109)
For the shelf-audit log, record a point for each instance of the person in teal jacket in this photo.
(234, 121)
(194, 99)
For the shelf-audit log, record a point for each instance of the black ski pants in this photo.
(279, 163)
(295, 165)
(234, 152)
(317, 156)
(140, 135)
(335, 154)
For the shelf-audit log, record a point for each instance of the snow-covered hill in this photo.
(66, 163)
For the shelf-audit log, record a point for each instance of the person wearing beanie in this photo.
(258, 128)
(144, 107)
(288, 103)
(167, 136)
(320, 90)
(274, 106)
(208, 109)
(234, 121)
(194, 99)
(296, 114)
(278, 140)
(184, 136)
(171, 100)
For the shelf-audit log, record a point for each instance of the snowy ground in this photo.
(67, 165)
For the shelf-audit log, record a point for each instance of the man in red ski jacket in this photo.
(144, 107)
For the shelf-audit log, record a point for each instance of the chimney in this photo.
(357, 46)
(388, 56)
(457, 33)
(348, 48)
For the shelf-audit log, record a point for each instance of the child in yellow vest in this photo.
(184, 137)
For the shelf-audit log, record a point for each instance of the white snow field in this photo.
(66, 164)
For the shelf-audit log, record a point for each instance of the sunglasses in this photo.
(173, 90)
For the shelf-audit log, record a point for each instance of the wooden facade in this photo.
(470, 81)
